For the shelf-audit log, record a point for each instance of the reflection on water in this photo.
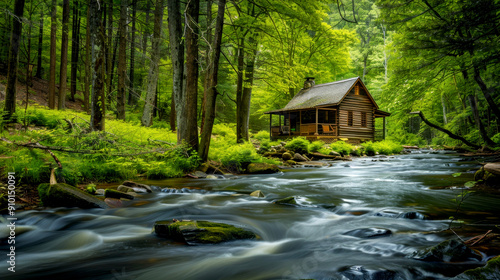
(296, 242)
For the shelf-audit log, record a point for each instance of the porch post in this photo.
(316, 133)
(383, 129)
(271, 125)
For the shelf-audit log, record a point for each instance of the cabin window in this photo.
(356, 90)
(349, 118)
(363, 119)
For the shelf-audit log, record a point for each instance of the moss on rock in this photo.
(286, 201)
(447, 251)
(110, 193)
(200, 232)
(64, 195)
(262, 168)
(489, 272)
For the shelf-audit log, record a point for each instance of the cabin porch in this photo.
(310, 122)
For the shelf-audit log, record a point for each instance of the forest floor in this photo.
(38, 94)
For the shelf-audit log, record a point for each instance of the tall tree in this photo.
(147, 115)
(10, 91)
(177, 57)
(212, 82)
(88, 70)
(97, 46)
(63, 75)
(75, 47)
(132, 96)
(52, 77)
(40, 47)
(192, 63)
(122, 61)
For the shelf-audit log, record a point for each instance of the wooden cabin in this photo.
(339, 110)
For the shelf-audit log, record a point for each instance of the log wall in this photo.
(357, 104)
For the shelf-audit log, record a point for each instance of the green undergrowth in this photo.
(234, 157)
(124, 151)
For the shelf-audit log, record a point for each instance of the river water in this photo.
(295, 242)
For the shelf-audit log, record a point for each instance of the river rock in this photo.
(312, 164)
(412, 216)
(113, 202)
(137, 187)
(369, 232)
(125, 189)
(257, 193)
(200, 232)
(447, 251)
(286, 156)
(200, 174)
(491, 271)
(64, 195)
(299, 158)
(286, 201)
(322, 156)
(110, 193)
(493, 168)
(212, 177)
(262, 168)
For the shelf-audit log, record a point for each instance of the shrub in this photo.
(316, 146)
(369, 148)
(262, 135)
(342, 147)
(298, 145)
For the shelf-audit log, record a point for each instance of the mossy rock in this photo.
(110, 193)
(200, 232)
(489, 272)
(479, 174)
(286, 201)
(286, 156)
(262, 168)
(64, 195)
(447, 251)
(257, 193)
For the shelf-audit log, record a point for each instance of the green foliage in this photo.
(90, 188)
(342, 147)
(368, 148)
(385, 147)
(315, 146)
(496, 138)
(298, 145)
(262, 135)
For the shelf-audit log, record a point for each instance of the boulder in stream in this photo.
(299, 158)
(491, 271)
(200, 232)
(64, 195)
(361, 273)
(262, 168)
(447, 251)
(369, 232)
(110, 193)
(257, 193)
(286, 156)
(286, 201)
(137, 187)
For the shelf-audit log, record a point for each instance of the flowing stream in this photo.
(306, 242)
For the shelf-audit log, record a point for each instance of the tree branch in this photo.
(451, 134)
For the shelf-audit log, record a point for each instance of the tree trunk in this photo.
(147, 115)
(212, 82)
(109, 51)
(208, 65)
(177, 57)
(247, 89)
(479, 123)
(40, 48)
(172, 114)
(10, 91)
(487, 93)
(192, 15)
(88, 74)
(239, 90)
(52, 78)
(97, 43)
(63, 73)
(132, 97)
(75, 47)
(122, 62)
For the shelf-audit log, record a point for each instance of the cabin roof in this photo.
(323, 94)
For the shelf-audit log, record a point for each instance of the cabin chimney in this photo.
(309, 82)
